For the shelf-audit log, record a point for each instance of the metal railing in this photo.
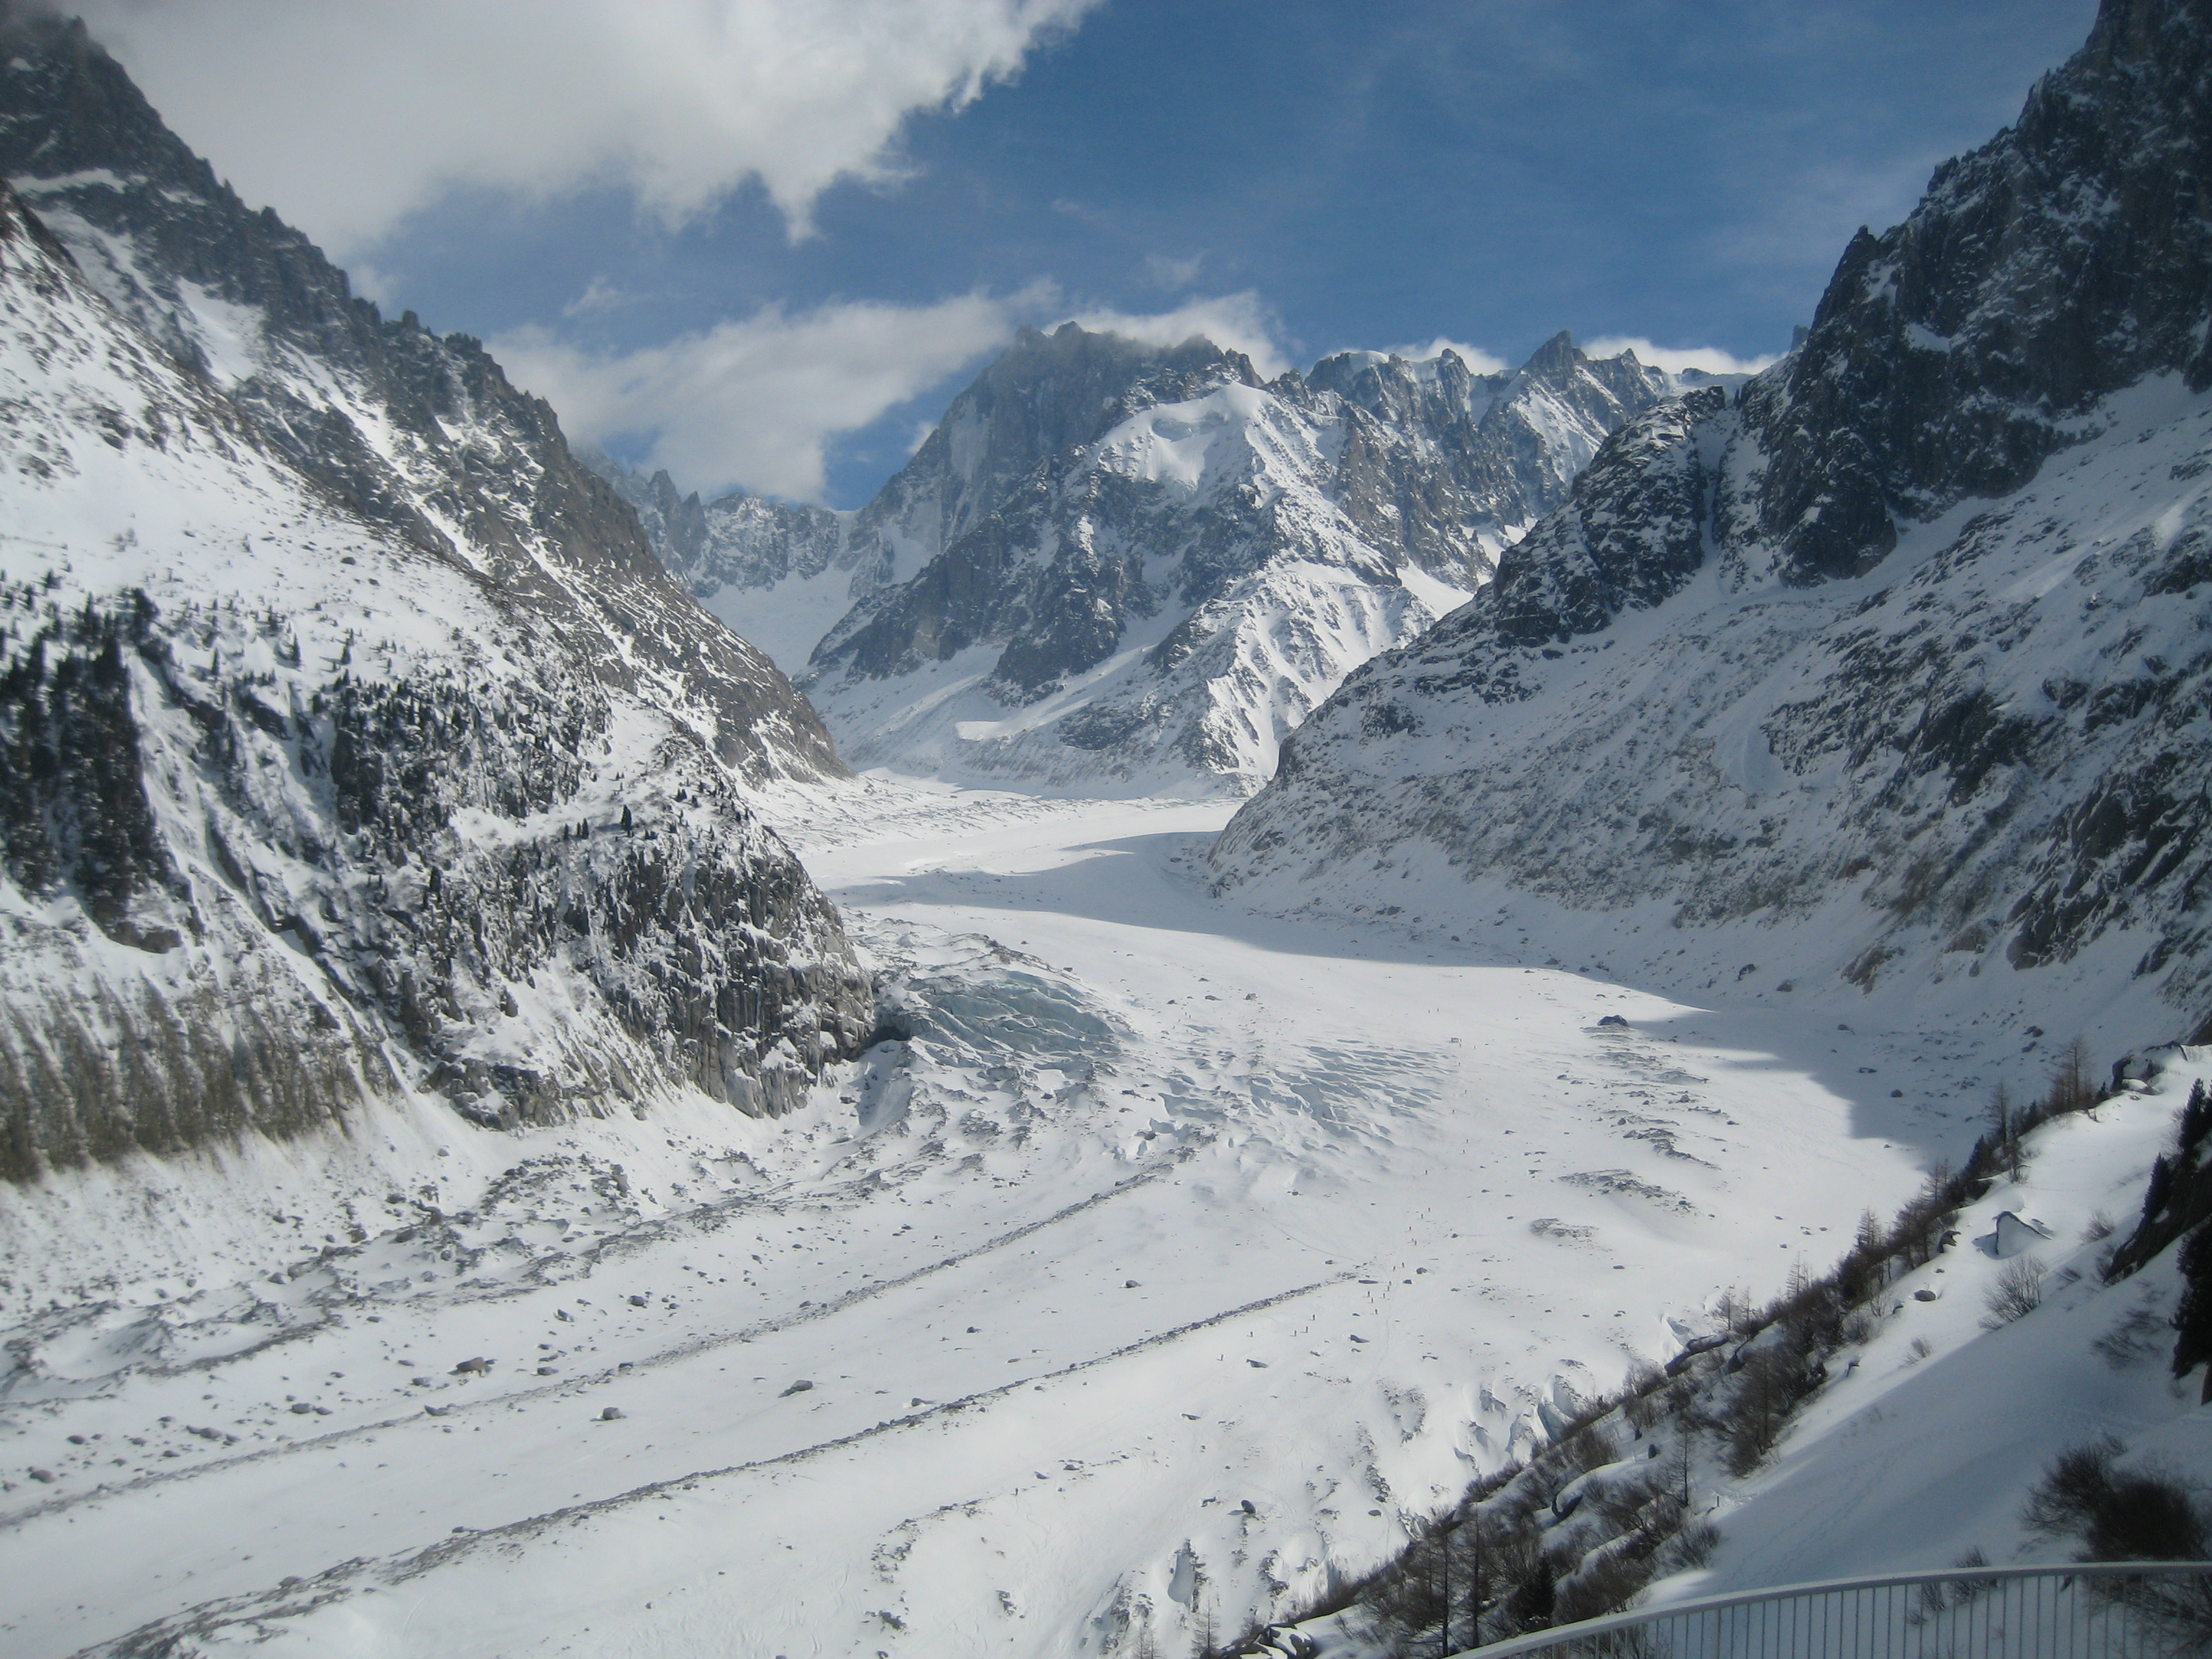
(2102, 1610)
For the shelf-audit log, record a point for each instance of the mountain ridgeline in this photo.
(357, 751)
(1906, 636)
(1116, 565)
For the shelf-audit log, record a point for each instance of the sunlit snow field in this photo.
(1182, 1255)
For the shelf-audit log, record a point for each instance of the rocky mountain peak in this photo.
(1044, 395)
(2066, 259)
(1556, 359)
(1907, 637)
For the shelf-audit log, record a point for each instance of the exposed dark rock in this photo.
(2068, 258)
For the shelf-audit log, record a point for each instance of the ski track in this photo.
(1390, 1208)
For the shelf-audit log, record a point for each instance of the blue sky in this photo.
(1314, 173)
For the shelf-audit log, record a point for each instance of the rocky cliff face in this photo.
(1951, 356)
(1892, 668)
(1114, 565)
(342, 781)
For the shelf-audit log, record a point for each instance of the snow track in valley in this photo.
(1161, 1260)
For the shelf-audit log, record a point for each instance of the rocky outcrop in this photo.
(1951, 356)
(1632, 534)
(1908, 637)
(1045, 395)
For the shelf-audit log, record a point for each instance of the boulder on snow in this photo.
(1691, 1349)
(2013, 1234)
(2145, 1064)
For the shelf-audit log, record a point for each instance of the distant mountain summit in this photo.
(1907, 637)
(366, 777)
(1121, 566)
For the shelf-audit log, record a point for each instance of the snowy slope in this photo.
(315, 835)
(1884, 680)
(416, 432)
(1926, 1445)
(1929, 1378)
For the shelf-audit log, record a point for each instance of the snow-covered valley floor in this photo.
(1181, 1255)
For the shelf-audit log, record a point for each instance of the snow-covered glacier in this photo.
(1097, 1232)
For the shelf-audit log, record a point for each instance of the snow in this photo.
(1437, 597)
(1510, 819)
(1290, 1136)
(1207, 444)
(786, 619)
(1926, 1447)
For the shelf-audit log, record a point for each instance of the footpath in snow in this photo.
(1180, 1258)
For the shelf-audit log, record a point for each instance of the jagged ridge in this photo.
(1118, 565)
(1786, 658)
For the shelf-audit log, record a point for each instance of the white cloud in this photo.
(1241, 322)
(346, 117)
(1481, 361)
(1674, 360)
(752, 403)
(1173, 274)
(599, 294)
